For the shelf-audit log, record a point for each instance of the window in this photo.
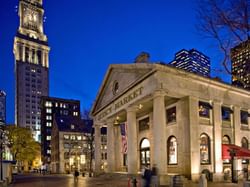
(75, 113)
(48, 117)
(172, 150)
(145, 152)
(226, 113)
(226, 140)
(204, 109)
(79, 137)
(48, 138)
(72, 126)
(48, 110)
(244, 144)
(204, 149)
(144, 124)
(66, 136)
(48, 104)
(244, 117)
(72, 137)
(48, 124)
(171, 115)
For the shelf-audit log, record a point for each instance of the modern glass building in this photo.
(192, 61)
(240, 57)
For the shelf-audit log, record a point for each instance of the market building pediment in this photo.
(118, 80)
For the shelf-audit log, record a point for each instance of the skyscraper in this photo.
(51, 107)
(240, 57)
(2, 106)
(193, 61)
(31, 52)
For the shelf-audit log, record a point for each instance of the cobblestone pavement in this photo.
(36, 180)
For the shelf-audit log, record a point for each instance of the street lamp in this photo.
(1, 147)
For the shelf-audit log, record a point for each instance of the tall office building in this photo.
(240, 57)
(31, 52)
(51, 107)
(192, 61)
(3, 106)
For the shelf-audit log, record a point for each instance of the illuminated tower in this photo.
(31, 52)
(240, 57)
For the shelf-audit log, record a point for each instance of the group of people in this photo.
(150, 177)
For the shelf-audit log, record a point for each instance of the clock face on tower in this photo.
(30, 18)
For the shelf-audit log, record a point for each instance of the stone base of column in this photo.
(218, 177)
(195, 177)
(164, 179)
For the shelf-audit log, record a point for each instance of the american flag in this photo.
(123, 127)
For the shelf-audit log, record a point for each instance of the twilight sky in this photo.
(86, 36)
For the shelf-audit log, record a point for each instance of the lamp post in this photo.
(232, 153)
(1, 147)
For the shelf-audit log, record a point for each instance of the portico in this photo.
(174, 120)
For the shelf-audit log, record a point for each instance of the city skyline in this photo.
(86, 36)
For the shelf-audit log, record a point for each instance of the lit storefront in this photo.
(174, 119)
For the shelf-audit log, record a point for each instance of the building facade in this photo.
(3, 106)
(240, 57)
(71, 144)
(175, 119)
(31, 53)
(192, 61)
(50, 107)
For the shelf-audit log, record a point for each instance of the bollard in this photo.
(203, 181)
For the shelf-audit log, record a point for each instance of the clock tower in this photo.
(31, 53)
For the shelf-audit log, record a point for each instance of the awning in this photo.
(240, 152)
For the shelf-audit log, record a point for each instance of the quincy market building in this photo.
(175, 119)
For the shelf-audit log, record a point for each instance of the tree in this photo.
(225, 21)
(22, 146)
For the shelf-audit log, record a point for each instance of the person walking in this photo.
(76, 174)
(155, 181)
(146, 177)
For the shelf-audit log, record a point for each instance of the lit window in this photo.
(66, 136)
(204, 149)
(172, 150)
(75, 113)
(48, 110)
(48, 104)
(48, 138)
(49, 117)
(145, 152)
(79, 137)
(48, 151)
(72, 137)
(244, 144)
(48, 124)
(72, 126)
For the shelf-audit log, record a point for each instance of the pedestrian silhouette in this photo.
(76, 174)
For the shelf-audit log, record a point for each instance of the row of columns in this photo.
(159, 137)
(21, 55)
(158, 130)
